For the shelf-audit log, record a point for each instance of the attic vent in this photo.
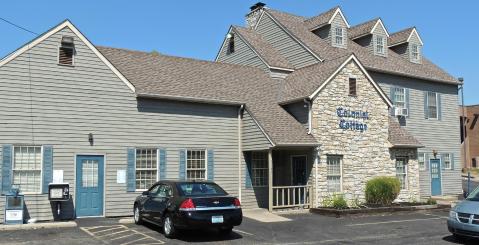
(231, 44)
(66, 51)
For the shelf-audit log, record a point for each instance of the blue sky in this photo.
(197, 28)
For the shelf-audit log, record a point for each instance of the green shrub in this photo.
(336, 201)
(431, 201)
(382, 190)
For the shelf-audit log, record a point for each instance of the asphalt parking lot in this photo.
(427, 227)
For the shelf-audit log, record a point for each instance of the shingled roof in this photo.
(183, 78)
(400, 36)
(321, 19)
(400, 137)
(362, 29)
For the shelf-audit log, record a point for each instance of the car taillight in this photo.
(237, 203)
(188, 205)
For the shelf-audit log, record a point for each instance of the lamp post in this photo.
(464, 128)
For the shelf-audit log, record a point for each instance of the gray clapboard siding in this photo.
(441, 135)
(296, 54)
(299, 111)
(379, 31)
(251, 135)
(70, 102)
(243, 54)
(338, 22)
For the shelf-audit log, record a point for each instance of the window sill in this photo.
(65, 65)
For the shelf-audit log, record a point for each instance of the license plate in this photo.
(216, 219)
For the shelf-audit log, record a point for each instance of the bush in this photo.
(431, 201)
(336, 201)
(382, 190)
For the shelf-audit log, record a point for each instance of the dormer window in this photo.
(338, 36)
(379, 45)
(66, 51)
(415, 56)
(231, 44)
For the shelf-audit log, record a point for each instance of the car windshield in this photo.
(200, 189)
(474, 196)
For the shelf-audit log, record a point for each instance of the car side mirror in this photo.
(145, 193)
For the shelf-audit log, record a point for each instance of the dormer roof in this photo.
(325, 18)
(366, 28)
(403, 36)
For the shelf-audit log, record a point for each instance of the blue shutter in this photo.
(162, 153)
(426, 109)
(7, 168)
(392, 96)
(47, 167)
(247, 175)
(439, 110)
(407, 102)
(131, 182)
(211, 165)
(452, 161)
(182, 168)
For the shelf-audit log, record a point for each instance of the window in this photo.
(66, 51)
(146, 168)
(401, 171)
(259, 169)
(414, 52)
(90, 173)
(446, 157)
(161, 191)
(421, 159)
(399, 97)
(231, 45)
(432, 105)
(380, 45)
(352, 86)
(338, 36)
(199, 189)
(196, 165)
(27, 168)
(334, 173)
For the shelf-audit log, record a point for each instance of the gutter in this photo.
(188, 99)
(240, 149)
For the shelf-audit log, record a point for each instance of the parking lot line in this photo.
(98, 233)
(394, 221)
(243, 232)
(114, 233)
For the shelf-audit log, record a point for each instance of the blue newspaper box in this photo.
(14, 207)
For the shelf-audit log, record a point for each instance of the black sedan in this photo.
(179, 205)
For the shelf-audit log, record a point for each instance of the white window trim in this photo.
(206, 163)
(253, 168)
(58, 54)
(341, 163)
(427, 104)
(406, 175)
(41, 168)
(426, 161)
(412, 53)
(336, 36)
(376, 45)
(443, 155)
(157, 166)
(404, 96)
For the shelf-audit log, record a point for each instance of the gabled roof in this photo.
(399, 137)
(366, 28)
(393, 64)
(47, 34)
(162, 76)
(270, 55)
(403, 36)
(325, 18)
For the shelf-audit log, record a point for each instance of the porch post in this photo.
(270, 180)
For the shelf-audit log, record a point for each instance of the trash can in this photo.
(14, 203)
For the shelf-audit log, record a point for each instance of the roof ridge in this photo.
(366, 22)
(403, 30)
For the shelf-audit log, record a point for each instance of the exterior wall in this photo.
(415, 40)
(243, 54)
(65, 104)
(296, 54)
(299, 111)
(379, 32)
(339, 22)
(441, 135)
(251, 135)
(365, 154)
(412, 193)
(405, 49)
(252, 196)
(472, 136)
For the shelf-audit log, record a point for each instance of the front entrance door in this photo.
(435, 177)
(299, 170)
(89, 185)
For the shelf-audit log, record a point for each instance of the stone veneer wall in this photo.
(365, 154)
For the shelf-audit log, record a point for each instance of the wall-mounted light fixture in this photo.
(434, 153)
(90, 138)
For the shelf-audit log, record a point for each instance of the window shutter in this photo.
(247, 174)
(6, 168)
(406, 95)
(211, 165)
(182, 169)
(392, 96)
(162, 152)
(426, 109)
(426, 161)
(439, 109)
(441, 158)
(131, 183)
(47, 167)
(452, 161)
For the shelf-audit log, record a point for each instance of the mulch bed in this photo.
(376, 209)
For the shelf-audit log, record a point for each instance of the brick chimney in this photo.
(253, 16)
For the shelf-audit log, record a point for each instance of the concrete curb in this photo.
(365, 211)
(126, 221)
(34, 226)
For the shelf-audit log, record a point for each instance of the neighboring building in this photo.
(305, 112)
(470, 132)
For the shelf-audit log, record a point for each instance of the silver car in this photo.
(463, 219)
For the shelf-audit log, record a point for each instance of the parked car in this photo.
(463, 219)
(181, 205)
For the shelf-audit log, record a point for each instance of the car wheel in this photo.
(168, 227)
(225, 231)
(137, 215)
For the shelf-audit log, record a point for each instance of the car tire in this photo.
(169, 229)
(225, 231)
(137, 215)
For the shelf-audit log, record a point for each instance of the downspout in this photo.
(308, 103)
(316, 163)
(240, 150)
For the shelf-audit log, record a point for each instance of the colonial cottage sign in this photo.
(352, 120)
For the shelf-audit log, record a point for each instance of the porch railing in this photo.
(292, 196)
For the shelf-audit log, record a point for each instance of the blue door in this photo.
(435, 177)
(89, 185)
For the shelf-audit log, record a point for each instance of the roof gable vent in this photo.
(66, 51)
